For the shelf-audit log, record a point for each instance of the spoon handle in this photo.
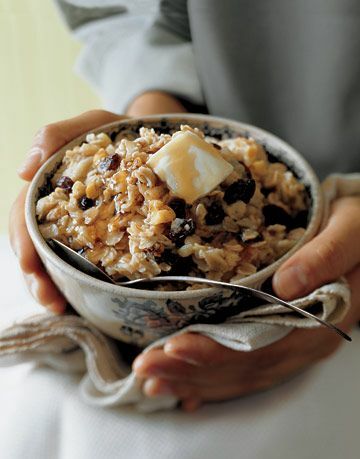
(258, 293)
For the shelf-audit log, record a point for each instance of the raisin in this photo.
(270, 157)
(215, 214)
(178, 205)
(247, 170)
(111, 163)
(180, 229)
(215, 145)
(85, 203)
(267, 191)
(275, 215)
(113, 135)
(181, 267)
(167, 256)
(242, 190)
(301, 219)
(65, 183)
(46, 188)
(207, 239)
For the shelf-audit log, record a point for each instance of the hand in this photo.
(196, 369)
(46, 142)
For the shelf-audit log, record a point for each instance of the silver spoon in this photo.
(86, 266)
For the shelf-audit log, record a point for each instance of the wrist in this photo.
(154, 102)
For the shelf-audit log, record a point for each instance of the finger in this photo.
(53, 136)
(230, 364)
(39, 283)
(45, 292)
(157, 363)
(331, 254)
(199, 350)
(264, 368)
(253, 372)
(20, 240)
(155, 387)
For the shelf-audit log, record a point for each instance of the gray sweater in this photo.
(289, 66)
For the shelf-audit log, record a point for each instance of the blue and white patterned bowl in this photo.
(142, 316)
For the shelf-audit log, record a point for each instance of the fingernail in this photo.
(55, 308)
(170, 350)
(189, 360)
(146, 372)
(153, 387)
(33, 160)
(33, 286)
(291, 282)
(137, 363)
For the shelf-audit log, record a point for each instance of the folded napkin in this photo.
(70, 343)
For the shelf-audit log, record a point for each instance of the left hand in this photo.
(196, 369)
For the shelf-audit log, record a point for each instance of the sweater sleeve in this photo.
(133, 46)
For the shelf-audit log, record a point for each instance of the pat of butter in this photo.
(190, 166)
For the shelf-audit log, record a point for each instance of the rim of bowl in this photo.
(309, 177)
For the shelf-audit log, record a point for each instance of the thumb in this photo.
(331, 254)
(52, 137)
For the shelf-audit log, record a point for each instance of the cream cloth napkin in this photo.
(70, 343)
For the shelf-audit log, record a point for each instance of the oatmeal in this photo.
(139, 207)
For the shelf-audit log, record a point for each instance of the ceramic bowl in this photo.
(142, 316)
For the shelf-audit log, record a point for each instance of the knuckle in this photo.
(51, 130)
(46, 133)
(99, 113)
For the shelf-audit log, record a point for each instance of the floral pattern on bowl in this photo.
(165, 319)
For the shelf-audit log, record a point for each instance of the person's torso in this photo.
(289, 66)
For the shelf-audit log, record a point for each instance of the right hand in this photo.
(46, 142)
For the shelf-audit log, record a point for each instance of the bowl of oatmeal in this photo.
(170, 195)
